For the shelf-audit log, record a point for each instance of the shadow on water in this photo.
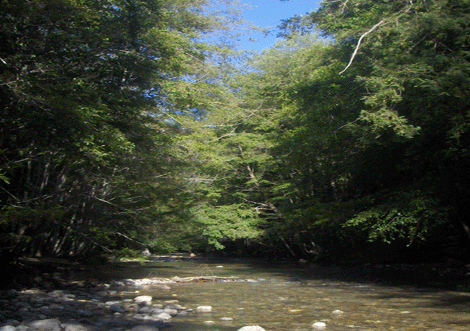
(421, 275)
(424, 276)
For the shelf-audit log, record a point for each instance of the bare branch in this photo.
(343, 6)
(359, 44)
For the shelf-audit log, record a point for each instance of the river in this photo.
(293, 297)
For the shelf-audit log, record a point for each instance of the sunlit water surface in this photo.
(291, 297)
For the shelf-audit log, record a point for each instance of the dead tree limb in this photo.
(359, 44)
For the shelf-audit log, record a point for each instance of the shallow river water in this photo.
(293, 297)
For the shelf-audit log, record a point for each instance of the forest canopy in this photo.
(126, 125)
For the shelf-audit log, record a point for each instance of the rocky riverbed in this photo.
(41, 298)
(117, 306)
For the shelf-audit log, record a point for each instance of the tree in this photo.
(84, 143)
(412, 60)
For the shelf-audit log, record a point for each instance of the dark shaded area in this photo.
(60, 273)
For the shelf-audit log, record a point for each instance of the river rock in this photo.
(252, 328)
(143, 299)
(204, 309)
(117, 309)
(144, 328)
(174, 305)
(47, 324)
(75, 326)
(7, 328)
(164, 316)
(319, 325)
(226, 319)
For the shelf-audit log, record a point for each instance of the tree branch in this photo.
(359, 44)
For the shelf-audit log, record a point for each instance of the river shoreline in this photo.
(56, 273)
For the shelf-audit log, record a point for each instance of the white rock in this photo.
(143, 298)
(319, 325)
(164, 316)
(72, 326)
(7, 328)
(204, 309)
(252, 328)
(337, 311)
(47, 324)
(226, 319)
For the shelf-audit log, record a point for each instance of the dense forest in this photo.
(132, 124)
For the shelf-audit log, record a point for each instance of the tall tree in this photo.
(411, 57)
(84, 146)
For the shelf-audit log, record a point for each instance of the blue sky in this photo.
(269, 13)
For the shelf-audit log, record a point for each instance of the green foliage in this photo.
(356, 138)
(232, 221)
(128, 254)
(410, 215)
(406, 72)
(119, 125)
(84, 97)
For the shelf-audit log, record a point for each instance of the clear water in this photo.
(293, 297)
